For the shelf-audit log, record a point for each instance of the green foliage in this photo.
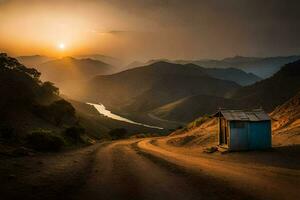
(118, 133)
(198, 122)
(42, 140)
(74, 134)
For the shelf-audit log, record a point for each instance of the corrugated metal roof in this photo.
(240, 115)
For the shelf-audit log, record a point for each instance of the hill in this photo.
(267, 93)
(189, 108)
(34, 60)
(273, 91)
(231, 74)
(261, 67)
(286, 121)
(69, 68)
(32, 112)
(145, 88)
(103, 58)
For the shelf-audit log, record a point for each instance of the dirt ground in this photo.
(151, 169)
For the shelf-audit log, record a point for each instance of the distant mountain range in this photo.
(33, 60)
(231, 74)
(262, 67)
(107, 59)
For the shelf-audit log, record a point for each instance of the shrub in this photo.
(74, 133)
(198, 122)
(58, 113)
(42, 140)
(118, 133)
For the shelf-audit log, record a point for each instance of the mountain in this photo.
(69, 68)
(103, 58)
(34, 60)
(189, 108)
(261, 67)
(231, 74)
(272, 91)
(143, 89)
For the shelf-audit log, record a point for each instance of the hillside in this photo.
(273, 91)
(189, 108)
(68, 69)
(233, 74)
(286, 121)
(202, 132)
(32, 112)
(145, 88)
(99, 126)
(261, 67)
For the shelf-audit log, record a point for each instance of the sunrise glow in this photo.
(61, 46)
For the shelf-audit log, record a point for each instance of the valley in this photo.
(149, 100)
(154, 138)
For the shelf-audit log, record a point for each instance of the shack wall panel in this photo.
(260, 135)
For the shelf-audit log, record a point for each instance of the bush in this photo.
(198, 122)
(74, 133)
(42, 140)
(58, 113)
(118, 133)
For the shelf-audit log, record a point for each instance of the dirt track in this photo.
(142, 169)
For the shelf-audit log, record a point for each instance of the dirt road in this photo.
(141, 169)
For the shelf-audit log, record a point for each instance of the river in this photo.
(102, 110)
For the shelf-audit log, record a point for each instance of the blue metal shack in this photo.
(244, 130)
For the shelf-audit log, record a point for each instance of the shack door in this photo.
(238, 135)
(223, 137)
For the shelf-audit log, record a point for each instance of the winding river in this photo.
(102, 110)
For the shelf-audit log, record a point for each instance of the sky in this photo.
(150, 29)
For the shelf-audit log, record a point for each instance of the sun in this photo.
(61, 46)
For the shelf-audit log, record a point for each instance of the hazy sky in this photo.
(146, 29)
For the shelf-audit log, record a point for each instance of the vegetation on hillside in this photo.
(32, 112)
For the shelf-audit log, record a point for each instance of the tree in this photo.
(48, 89)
